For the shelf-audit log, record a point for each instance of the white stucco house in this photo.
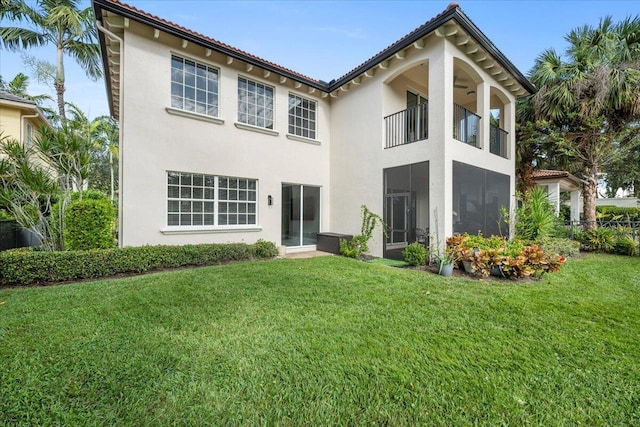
(218, 145)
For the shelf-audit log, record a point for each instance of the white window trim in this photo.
(198, 229)
(192, 114)
(299, 137)
(247, 126)
(202, 229)
(303, 139)
(258, 129)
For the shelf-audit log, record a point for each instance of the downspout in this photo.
(121, 130)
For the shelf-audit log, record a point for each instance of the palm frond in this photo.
(16, 38)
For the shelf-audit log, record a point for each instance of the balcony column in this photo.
(508, 124)
(483, 107)
(440, 140)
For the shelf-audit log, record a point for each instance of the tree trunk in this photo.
(59, 84)
(589, 192)
(526, 181)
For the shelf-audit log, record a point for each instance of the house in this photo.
(557, 182)
(20, 118)
(218, 145)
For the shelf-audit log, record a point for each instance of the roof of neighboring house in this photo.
(451, 13)
(542, 174)
(15, 98)
(23, 103)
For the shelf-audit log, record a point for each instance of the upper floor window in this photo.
(302, 116)
(194, 86)
(255, 103)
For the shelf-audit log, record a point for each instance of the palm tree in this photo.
(57, 22)
(590, 95)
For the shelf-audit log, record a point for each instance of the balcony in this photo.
(498, 141)
(465, 125)
(407, 126)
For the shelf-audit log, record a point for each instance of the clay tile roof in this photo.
(206, 39)
(553, 174)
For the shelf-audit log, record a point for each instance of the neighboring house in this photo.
(557, 182)
(219, 145)
(20, 118)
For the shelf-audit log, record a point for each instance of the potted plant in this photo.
(445, 261)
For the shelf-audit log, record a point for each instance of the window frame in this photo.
(216, 201)
(293, 116)
(217, 94)
(246, 113)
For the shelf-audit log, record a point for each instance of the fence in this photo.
(12, 236)
(630, 227)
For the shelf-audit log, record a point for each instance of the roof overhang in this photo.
(451, 24)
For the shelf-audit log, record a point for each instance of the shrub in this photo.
(598, 239)
(354, 247)
(559, 246)
(358, 245)
(89, 195)
(614, 213)
(23, 267)
(415, 254)
(513, 258)
(265, 249)
(89, 225)
(536, 218)
(625, 245)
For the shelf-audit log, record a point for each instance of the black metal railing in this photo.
(465, 125)
(407, 126)
(498, 141)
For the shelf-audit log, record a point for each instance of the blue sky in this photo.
(326, 39)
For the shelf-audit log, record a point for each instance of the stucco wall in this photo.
(10, 122)
(155, 142)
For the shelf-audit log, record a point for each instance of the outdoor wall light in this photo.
(269, 200)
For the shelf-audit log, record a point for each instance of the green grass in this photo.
(325, 341)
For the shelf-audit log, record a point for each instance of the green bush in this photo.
(23, 267)
(598, 239)
(557, 246)
(536, 218)
(625, 245)
(89, 225)
(415, 254)
(89, 195)
(353, 248)
(265, 249)
(614, 213)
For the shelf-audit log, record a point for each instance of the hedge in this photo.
(23, 267)
(616, 213)
(89, 225)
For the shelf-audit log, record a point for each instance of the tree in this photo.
(19, 86)
(28, 189)
(623, 170)
(590, 96)
(57, 22)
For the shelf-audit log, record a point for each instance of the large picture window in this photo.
(255, 103)
(302, 116)
(201, 200)
(194, 86)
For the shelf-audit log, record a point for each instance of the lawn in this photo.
(325, 341)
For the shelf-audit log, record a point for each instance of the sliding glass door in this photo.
(300, 215)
